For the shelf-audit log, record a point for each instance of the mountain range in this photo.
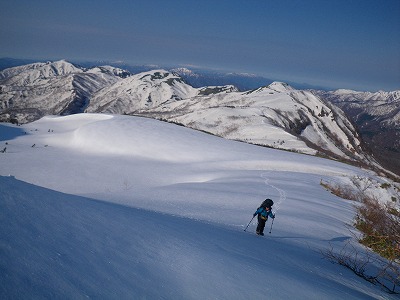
(377, 117)
(276, 115)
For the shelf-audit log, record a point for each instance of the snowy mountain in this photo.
(32, 73)
(200, 78)
(54, 88)
(106, 206)
(277, 115)
(377, 116)
(144, 90)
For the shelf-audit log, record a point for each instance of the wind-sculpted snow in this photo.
(276, 116)
(105, 206)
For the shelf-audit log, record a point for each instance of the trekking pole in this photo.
(271, 225)
(249, 223)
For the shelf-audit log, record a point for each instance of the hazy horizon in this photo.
(340, 44)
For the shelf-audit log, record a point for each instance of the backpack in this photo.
(267, 203)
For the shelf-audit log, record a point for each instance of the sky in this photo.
(337, 44)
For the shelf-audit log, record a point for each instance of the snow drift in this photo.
(103, 206)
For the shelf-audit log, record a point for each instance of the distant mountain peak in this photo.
(276, 115)
(280, 86)
(377, 116)
(185, 72)
(210, 90)
(158, 74)
(141, 91)
(27, 74)
(110, 70)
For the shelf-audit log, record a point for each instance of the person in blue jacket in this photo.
(263, 212)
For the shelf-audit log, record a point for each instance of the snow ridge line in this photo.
(282, 193)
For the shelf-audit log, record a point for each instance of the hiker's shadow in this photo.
(336, 239)
(340, 239)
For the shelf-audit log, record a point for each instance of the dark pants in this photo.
(261, 224)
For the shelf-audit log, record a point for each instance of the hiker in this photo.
(263, 212)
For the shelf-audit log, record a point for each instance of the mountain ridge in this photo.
(272, 116)
(32, 91)
(276, 115)
(377, 117)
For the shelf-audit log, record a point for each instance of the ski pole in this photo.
(271, 225)
(249, 223)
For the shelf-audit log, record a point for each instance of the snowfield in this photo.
(118, 207)
(276, 116)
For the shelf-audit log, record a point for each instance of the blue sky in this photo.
(333, 43)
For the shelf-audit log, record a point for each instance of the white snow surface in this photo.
(266, 116)
(52, 88)
(105, 206)
(276, 116)
(383, 106)
(147, 89)
(29, 74)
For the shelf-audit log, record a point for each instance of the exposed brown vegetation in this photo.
(379, 227)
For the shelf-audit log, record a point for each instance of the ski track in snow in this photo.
(282, 193)
(109, 210)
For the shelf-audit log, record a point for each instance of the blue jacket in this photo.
(264, 213)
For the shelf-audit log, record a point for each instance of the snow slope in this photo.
(147, 89)
(30, 92)
(32, 73)
(377, 116)
(382, 106)
(105, 206)
(276, 116)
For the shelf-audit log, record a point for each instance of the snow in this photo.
(380, 106)
(139, 91)
(273, 116)
(29, 74)
(270, 116)
(106, 206)
(185, 72)
(51, 88)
